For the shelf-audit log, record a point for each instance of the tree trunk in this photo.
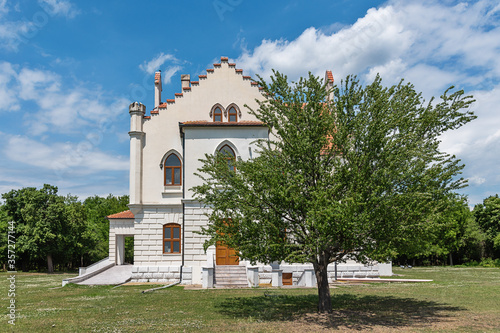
(50, 264)
(321, 271)
(451, 259)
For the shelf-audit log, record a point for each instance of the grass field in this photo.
(458, 300)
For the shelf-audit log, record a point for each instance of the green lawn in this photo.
(459, 300)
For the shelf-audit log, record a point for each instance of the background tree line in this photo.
(462, 236)
(55, 232)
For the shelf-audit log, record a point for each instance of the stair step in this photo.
(231, 286)
(230, 276)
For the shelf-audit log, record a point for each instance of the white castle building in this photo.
(206, 116)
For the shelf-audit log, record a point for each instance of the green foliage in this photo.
(39, 220)
(97, 208)
(356, 174)
(488, 217)
(450, 231)
(52, 230)
(485, 262)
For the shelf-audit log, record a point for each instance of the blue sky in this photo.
(69, 69)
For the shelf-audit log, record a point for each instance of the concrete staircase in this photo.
(231, 276)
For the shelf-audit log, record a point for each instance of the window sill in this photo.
(173, 189)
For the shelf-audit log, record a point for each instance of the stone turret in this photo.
(137, 112)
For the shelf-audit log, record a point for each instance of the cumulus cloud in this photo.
(395, 37)
(432, 44)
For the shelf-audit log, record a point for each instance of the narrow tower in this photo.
(137, 111)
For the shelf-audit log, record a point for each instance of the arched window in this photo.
(230, 156)
(217, 114)
(232, 115)
(171, 238)
(172, 169)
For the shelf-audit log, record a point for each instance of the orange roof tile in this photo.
(147, 117)
(170, 100)
(239, 70)
(195, 82)
(247, 77)
(178, 94)
(122, 215)
(216, 65)
(202, 76)
(186, 88)
(155, 112)
(253, 83)
(224, 59)
(157, 77)
(163, 105)
(210, 70)
(232, 64)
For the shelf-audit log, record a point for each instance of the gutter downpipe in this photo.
(183, 215)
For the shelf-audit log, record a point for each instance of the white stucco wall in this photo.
(119, 227)
(202, 140)
(162, 133)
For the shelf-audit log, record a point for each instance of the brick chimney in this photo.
(185, 79)
(158, 89)
(329, 83)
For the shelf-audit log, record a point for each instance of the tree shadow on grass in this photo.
(349, 311)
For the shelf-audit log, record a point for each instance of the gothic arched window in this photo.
(172, 170)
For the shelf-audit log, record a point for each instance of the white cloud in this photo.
(430, 43)
(61, 108)
(83, 157)
(155, 64)
(477, 180)
(402, 34)
(3, 7)
(169, 73)
(60, 7)
(8, 96)
(14, 32)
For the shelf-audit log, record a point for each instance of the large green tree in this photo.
(351, 174)
(39, 217)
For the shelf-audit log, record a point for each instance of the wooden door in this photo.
(287, 279)
(225, 255)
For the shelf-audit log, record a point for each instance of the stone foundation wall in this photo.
(344, 270)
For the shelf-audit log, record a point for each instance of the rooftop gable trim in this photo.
(205, 123)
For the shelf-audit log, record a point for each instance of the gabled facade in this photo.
(206, 116)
